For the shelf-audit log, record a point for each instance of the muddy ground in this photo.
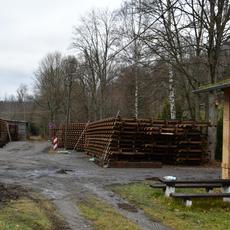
(67, 178)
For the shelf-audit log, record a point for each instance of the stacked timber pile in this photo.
(4, 138)
(102, 137)
(114, 141)
(73, 135)
(176, 141)
(117, 142)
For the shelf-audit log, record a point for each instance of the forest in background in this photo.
(142, 60)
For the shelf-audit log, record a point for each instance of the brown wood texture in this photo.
(73, 134)
(226, 136)
(145, 140)
(4, 138)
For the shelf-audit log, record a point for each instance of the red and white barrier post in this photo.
(55, 143)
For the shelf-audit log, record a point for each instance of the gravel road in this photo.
(66, 178)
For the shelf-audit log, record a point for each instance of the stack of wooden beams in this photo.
(114, 141)
(73, 135)
(102, 138)
(3, 133)
(119, 142)
(175, 141)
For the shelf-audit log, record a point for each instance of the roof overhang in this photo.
(15, 121)
(211, 87)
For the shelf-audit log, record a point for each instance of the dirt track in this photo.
(66, 178)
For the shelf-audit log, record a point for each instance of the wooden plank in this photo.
(205, 185)
(226, 136)
(128, 164)
(225, 182)
(199, 195)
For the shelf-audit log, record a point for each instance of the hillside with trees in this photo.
(143, 60)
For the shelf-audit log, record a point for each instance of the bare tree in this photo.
(172, 102)
(132, 21)
(95, 41)
(49, 85)
(69, 66)
(193, 41)
(22, 93)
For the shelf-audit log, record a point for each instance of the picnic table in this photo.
(187, 197)
(169, 187)
(208, 184)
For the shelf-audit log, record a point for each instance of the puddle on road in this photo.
(37, 173)
(41, 173)
(26, 147)
(46, 150)
(84, 173)
(64, 171)
(127, 207)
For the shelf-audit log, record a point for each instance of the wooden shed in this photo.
(22, 128)
(224, 86)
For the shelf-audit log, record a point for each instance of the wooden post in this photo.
(226, 136)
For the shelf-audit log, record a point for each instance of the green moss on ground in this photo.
(211, 214)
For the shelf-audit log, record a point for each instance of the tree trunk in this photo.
(197, 107)
(67, 113)
(207, 108)
(170, 69)
(102, 102)
(213, 119)
(136, 94)
(172, 94)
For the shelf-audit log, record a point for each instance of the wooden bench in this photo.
(208, 187)
(170, 185)
(187, 198)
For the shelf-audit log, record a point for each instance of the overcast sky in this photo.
(32, 28)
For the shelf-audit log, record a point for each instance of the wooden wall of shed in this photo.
(226, 136)
(3, 133)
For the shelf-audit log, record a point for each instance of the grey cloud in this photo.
(30, 29)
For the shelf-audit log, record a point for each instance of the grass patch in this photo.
(36, 138)
(23, 214)
(24, 210)
(103, 216)
(211, 214)
(29, 214)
